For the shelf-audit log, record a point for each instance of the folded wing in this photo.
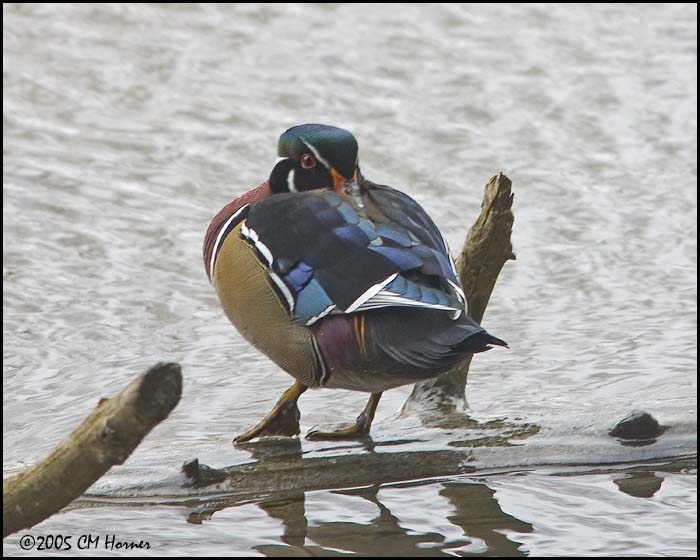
(325, 256)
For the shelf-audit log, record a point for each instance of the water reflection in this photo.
(461, 517)
(478, 513)
(383, 533)
(458, 516)
(292, 513)
(475, 512)
(640, 484)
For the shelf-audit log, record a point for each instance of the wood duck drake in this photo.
(343, 283)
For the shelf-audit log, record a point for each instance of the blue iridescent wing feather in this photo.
(332, 258)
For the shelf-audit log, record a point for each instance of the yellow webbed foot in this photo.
(282, 420)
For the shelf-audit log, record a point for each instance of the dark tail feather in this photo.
(481, 342)
(490, 339)
(424, 340)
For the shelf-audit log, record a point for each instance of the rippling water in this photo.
(126, 127)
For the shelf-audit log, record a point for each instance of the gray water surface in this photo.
(127, 126)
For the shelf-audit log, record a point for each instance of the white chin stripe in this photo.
(290, 182)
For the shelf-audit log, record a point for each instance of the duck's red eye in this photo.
(308, 161)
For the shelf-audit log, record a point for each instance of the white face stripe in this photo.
(215, 249)
(317, 155)
(290, 182)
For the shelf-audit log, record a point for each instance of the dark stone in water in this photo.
(190, 468)
(201, 475)
(638, 426)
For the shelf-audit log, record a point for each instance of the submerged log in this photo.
(280, 466)
(104, 439)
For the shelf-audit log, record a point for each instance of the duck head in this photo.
(314, 156)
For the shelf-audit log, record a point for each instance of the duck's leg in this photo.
(282, 420)
(358, 429)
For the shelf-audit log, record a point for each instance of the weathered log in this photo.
(104, 439)
(486, 249)
(280, 466)
(293, 472)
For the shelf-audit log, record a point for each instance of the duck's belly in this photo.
(252, 305)
(369, 379)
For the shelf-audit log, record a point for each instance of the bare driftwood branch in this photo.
(104, 439)
(486, 249)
